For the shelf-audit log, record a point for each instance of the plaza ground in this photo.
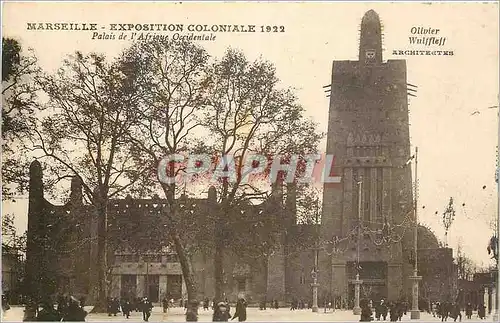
(176, 314)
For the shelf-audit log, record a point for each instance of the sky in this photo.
(457, 149)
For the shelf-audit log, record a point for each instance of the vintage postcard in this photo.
(295, 161)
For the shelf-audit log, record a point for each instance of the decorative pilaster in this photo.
(386, 193)
(163, 286)
(348, 199)
(373, 195)
(115, 286)
(493, 299)
(141, 285)
(339, 280)
(276, 275)
(486, 298)
(394, 280)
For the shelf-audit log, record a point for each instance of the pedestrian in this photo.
(393, 312)
(444, 311)
(109, 306)
(481, 311)
(401, 310)
(48, 313)
(455, 312)
(378, 311)
(5, 303)
(74, 312)
(276, 304)
(384, 309)
(138, 304)
(366, 312)
(164, 304)
(82, 301)
(381, 310)
(241, 310)
(146, 307)
(468, 311)
(126, 308)
(293, 305)
(263, 304)
(221, 312)
(115, 306)
(206, 302)
(62, 305)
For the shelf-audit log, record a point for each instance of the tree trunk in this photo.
(218, 263)
(187, 271)
(220, 236)
(100, 305)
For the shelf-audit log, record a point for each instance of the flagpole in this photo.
(415, 312)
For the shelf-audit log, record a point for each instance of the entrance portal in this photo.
(153, 283)
(374, 277)
(374, 291)
(174, 286)
(128, 288)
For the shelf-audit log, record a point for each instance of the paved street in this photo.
(15, 314)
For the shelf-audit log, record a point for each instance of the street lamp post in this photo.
(415, 312)
(315, 284)
(358, 282)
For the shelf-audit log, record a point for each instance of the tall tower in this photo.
(368, 133)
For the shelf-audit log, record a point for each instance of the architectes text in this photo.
(177, 168)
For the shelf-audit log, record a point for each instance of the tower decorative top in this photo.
(370, 42)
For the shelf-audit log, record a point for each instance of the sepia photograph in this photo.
(251, 161)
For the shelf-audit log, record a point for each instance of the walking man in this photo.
(147, 307)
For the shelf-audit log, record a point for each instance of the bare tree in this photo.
(247, 113)
(466, 267)
(10, 238)
(171, 81)
(308, 204)
(92, 109)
